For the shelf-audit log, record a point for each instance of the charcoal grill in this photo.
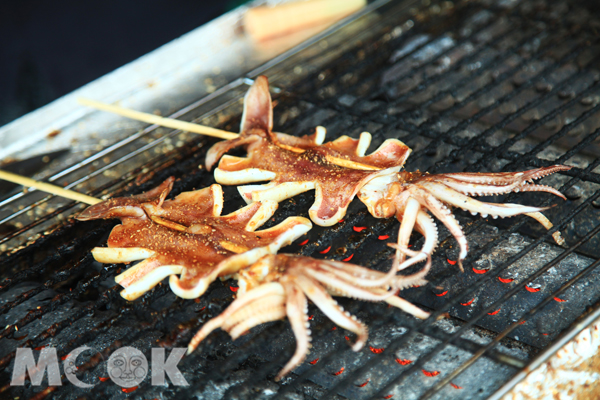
(489, 85)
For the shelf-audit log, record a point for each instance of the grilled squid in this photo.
(186, 239)
(292, 165)
(339, 170)
(278, 286)
(408, 195)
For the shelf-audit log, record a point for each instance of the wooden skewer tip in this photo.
(48, 188)
(155, 119)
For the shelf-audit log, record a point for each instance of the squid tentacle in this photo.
(246, 313)
(243, 300)
(408, 220)
(348, 290)
(456, 199)
(442, 213)
(404, 281)
(540, 188)
(541, 218)
(357, 276)
(269, 312)
(500, 178)
(407, 307)
(475, 189)
(296, 308)
(332, 310)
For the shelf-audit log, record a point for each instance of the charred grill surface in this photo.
(469, 86)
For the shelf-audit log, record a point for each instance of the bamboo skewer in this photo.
(155, 119)
(144, 117)
(48, 188)
(202, 130)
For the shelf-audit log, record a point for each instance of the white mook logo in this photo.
(127, 367)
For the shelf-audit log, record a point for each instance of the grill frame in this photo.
(277, 71)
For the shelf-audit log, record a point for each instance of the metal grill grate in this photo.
(470, 86)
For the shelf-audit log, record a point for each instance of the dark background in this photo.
(50, 48)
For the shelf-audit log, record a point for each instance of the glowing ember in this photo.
(359, 228)
(376, 350)
(326, 250)
(63, 358)
(383, 237)
(39, 348)
(389, 396)
(430, 373)
(455, 386)
(451, 262)
(364, 384)
(103, 378)
(334, 328)
(521, 323)
(304, 242)
(442, 294)
(531, 289)
(129, 390)
(494, 313)
(347, 338)
(559, 300)
(468, 303)
(479, 271)
(545, 334)
(505, 280)
(313, 362)
(404, 361)
(233, 288)
(348, 258)
(339, 372)
(311, 317)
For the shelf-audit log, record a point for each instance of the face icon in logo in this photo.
(127, 367)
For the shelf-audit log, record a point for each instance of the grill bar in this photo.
(531, 312)
(394, 345)
(549, 352)
(570, 57)
(415, 366)
(105, 152)
(454, 155)
(503, 99)
(420, 363)
(437, 57)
